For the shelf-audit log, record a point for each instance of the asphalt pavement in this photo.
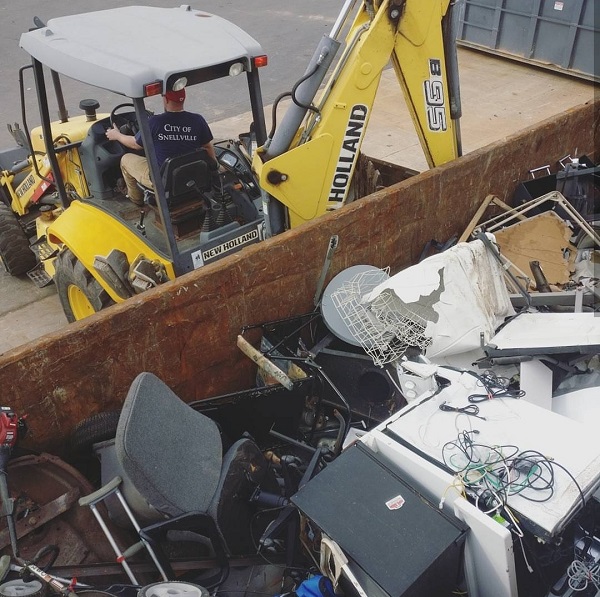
(288, 32)
(499, 97)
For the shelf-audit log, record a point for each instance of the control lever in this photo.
(140, 225)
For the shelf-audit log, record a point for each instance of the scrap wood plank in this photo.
(489, 200)
(41, 516)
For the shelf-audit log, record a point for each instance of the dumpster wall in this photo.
(185, 331)
(554, 34)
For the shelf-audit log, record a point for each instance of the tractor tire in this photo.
(80, 445)
(79, 292)
(97, 428)
(15, 252)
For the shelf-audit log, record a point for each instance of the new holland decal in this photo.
(200, 258)
(355, 130)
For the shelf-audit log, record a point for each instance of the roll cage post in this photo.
(256, 103)
(159, 190)
(42, 97)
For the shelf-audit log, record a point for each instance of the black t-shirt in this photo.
(177, 133)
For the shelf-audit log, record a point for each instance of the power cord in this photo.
(580, 576)
(471, 409)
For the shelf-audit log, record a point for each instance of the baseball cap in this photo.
(175, 96)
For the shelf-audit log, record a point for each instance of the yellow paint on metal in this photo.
(316, 171)
(80, 305)
(91, 231)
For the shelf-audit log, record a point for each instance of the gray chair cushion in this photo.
(171, 453)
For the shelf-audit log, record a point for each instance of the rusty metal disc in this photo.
(46, 490)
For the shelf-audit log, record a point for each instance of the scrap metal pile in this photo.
(259, 491)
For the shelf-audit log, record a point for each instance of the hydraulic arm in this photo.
(307, 163)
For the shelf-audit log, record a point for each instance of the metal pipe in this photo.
(137, 527)
(541, 282)
(34, 163)
(8, 503)
(40, 87)
(339, 442)
(113, 544)
(292, 441)
(341, 19)
(450, 24)
(305, 93)
(312, 121)
(60, 98)
(159, 189)
(256, 103)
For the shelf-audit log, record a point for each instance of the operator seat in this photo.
(173, 456)
(184, 177)
(187, 176)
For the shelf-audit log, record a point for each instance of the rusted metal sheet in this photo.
(185, 332)
(45, 490)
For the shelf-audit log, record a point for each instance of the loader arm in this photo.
(313, 175)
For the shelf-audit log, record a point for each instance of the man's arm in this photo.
(114, 134)
(210, 150)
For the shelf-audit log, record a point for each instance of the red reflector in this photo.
(54, 240)
(260, 61)
(153, 88)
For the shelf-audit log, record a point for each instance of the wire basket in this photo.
(385, 327)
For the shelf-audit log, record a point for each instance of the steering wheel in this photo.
(131, 124)
(117, 118)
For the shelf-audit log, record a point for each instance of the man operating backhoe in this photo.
(174, 132)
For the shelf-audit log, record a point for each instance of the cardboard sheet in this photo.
(544, 238)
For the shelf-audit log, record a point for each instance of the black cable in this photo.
(474, 398)
(494, 386)
(51, 552)
(295, 88)
(511, 472)
(291, 94)
(471, 409)
(274, 111)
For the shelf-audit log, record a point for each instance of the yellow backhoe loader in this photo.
(63, 214)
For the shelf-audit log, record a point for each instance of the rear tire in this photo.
(79, 292)
(15, 252)
(97, 428)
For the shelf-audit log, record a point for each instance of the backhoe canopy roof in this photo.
(124, 49)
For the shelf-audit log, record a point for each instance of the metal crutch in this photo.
(112, 487)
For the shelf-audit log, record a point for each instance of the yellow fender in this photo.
(89, 231)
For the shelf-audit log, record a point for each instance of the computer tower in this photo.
(398, 544)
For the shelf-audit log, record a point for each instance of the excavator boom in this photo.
(308, 167)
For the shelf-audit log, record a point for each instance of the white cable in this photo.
(580, 575)
(524, 556)
(518, 532)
